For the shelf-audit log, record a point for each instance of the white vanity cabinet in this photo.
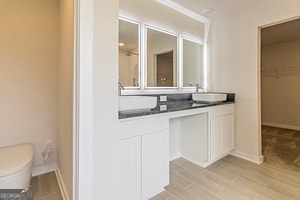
(204, 136)
(143, 164)
(155, 163)
(129, 168)
(221, 140)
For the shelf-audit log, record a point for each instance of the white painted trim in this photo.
(180, 61)
(83, 100)
(61, 184)
(43, 169)
(75, 174)
(174, 156)
(251, 158)
(281, 126)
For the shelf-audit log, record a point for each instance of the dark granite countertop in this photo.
(173, 104)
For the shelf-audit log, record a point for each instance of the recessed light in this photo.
(207, 11)
(121, 44)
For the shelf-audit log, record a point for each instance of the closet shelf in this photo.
(279, 71)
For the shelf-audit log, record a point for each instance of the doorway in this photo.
(280, 89)
(164, 69)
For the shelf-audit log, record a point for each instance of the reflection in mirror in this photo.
(192, 63)
(161, 59)
(129, 75)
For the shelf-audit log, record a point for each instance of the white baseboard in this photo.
(251, 158)
(43, 169)
(174, 156)
(61, 184)
(281, 126)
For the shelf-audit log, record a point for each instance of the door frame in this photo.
(155, 64)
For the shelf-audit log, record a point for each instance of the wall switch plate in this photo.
(162, 98)
(162, 107)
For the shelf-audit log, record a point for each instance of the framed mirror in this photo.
(192, 63)
(161, 58)
(129, 48)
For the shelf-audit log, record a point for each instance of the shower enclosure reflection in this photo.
(192, 59)
(129, 54)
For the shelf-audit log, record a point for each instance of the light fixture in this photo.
(121, 44)
(207, 11)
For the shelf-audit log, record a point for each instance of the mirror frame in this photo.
(139, 54)
(182, 66)
(145, 65)
(143, 88)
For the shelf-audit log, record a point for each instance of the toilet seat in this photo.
(15, 158)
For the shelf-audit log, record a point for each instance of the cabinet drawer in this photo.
(222, 110)
(140, 126)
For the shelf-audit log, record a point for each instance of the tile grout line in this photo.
(223, 188)
(51, 194)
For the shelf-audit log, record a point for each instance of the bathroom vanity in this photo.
(143, 157)
(206, 135)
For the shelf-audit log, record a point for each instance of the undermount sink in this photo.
(130, 103)
(208, 97)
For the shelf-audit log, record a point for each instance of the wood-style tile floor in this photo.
(231, 178)
(45, 187)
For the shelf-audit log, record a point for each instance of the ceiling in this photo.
(284, 32)
(128, 35)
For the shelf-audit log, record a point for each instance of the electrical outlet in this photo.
(162, 107)
(162, 98)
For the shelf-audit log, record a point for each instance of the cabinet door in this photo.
(228, 133)
(216, 126)
(221, 136)
(155, 163)
(129, 168)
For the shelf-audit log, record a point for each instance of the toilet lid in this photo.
(15, 158)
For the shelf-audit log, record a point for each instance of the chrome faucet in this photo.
(198, 87)
(120, 88)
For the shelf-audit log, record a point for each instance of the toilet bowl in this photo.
(16, 166)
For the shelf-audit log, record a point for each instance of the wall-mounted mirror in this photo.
(161, 58)
(186, 69)
(129, 67)
(192, 58)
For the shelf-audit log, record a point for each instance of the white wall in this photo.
(105, 99)
(97, 109)
(65, 96)
(28, 75)
(235, 60)
(281, 96)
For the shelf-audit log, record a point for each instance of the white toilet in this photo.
(16, 166)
